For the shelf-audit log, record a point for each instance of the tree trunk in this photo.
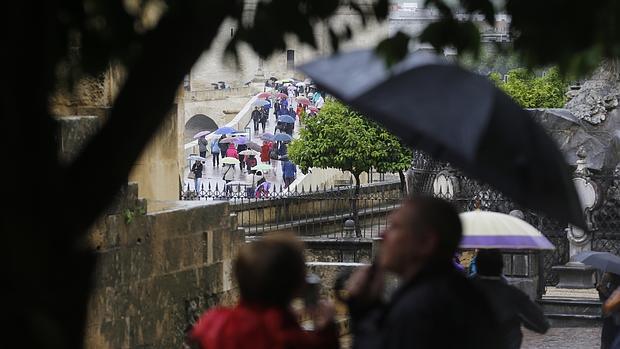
(354, 206)
(52, 205)
(403, 183)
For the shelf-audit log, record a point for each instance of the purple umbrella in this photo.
(241, 140)
(225, 130)
(201, 133)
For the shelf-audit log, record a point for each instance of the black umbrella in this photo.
(459, 117)
(603, 261)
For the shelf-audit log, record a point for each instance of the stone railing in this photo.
(318, 212)
(209, 95)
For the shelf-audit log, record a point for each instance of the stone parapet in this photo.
(157, 272)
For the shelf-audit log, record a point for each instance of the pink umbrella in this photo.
(313, 109)
(201, 133)
(303, 100)
(264, 95)
(281, 95)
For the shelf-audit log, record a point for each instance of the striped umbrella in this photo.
(484, 229)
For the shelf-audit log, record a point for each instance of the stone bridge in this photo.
(210, 109)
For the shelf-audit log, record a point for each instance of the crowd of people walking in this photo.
(287, 103)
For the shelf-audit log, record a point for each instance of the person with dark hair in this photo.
(270, 273)
(223, 146)
(256, 116)
(435, 305)
(512, 307)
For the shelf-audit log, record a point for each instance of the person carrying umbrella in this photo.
(263, 119)
(197, 170)
(202, 146)
(512, 307)
(264, 152)
(289, 172)
(256, 116)
(250, 162)
(319, 101)
(241, 147)
(282, 149)
(215, 152)
(231, 152)
(229, 176)
(223, 146)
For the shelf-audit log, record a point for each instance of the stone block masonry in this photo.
(157, 272)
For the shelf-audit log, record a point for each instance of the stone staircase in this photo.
(572, 307)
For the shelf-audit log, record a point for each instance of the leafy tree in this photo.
(537, 40)
(531, 91)
(338, 137)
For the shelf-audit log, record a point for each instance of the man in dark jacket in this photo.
(511, 306)
(435, 306)
(256, 115)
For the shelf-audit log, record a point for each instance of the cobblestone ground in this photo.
(564, 338)
(556, 338)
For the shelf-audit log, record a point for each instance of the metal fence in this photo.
(318, 212)
(323, 211)
(431, 177)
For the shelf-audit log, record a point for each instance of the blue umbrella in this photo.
(603, 261)
(225, 130)
(282, 137)
(267, 136)
(260, 103)
(286, 119)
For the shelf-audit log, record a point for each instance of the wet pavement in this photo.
(563, 338)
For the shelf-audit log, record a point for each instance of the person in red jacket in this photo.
(264, 152)
(270, 273)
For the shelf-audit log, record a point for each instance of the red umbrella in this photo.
(303, 100)
(264, 95)
(281, 95)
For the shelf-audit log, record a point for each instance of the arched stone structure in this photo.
(197, 123)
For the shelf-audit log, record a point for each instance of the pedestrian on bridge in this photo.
(223, 146)
(202, 146)
(215, 152)
(231, 152)
(256, 116)
(265, 149)
(197, 170)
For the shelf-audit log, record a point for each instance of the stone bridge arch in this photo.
(197, 123)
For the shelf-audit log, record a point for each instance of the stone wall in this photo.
(158, 271)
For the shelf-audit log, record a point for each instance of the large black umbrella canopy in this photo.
(456, 116)
(603, 261)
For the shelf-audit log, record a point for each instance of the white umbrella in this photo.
(196, 158)
(249, 152)
(230, 161)
(484, 229)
